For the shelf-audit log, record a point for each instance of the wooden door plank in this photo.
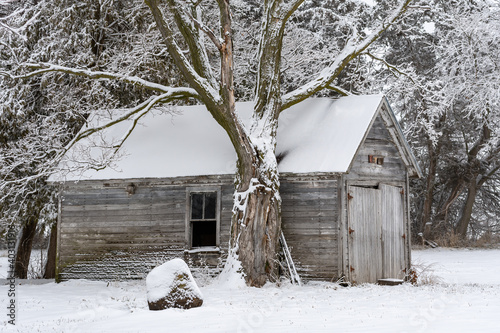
(393, 226)
(364, 228)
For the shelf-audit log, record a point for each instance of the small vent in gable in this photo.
(379, 160)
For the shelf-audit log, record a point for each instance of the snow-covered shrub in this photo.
(423, 274)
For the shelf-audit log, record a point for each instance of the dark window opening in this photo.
(197, 206)
(203, 219)
(210, 205)
(375, 187)
(204, 233)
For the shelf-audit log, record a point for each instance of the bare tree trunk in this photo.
(429, 194)
(474, 183)
(463, 223)
(23, 247)
(442, 216)
(256, 222)
(257, 237)
(255, 229)
(50, 266)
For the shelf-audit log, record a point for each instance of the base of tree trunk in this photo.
(258, 237)
(23, 250)
(50, 267)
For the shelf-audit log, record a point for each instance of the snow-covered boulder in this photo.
(171, 285)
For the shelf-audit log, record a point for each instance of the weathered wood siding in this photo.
(310, 224)
(380, 143)
(106, 233)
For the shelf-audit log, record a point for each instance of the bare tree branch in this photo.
(138, 116)
(291, 7)
(226, 57)
(139, 111)
(489, 174)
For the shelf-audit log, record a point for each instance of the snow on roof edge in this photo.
(306, 131)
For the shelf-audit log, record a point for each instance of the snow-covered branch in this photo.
(350, 52)
(201, 84)
(19, 30)
(338, 89)
(393, 69)
(50, 159)
(138, 114)
(276, 15)
(189, 23)
(209, 32)
(44, 68)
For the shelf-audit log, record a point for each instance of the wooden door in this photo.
(375, 229)
(365, 264)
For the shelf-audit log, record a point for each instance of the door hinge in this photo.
(349, 196)
(402, 192)
(351, 268)
(404, 236)
(350, 231)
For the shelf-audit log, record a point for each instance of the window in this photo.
(203, 226)
(379, 160)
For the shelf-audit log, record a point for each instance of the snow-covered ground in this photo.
(464, 297)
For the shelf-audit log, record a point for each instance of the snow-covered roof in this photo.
(316, 135)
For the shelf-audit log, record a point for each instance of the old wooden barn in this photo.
(344, 166)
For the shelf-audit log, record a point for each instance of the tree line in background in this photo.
(439, 66)
(449, 104)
